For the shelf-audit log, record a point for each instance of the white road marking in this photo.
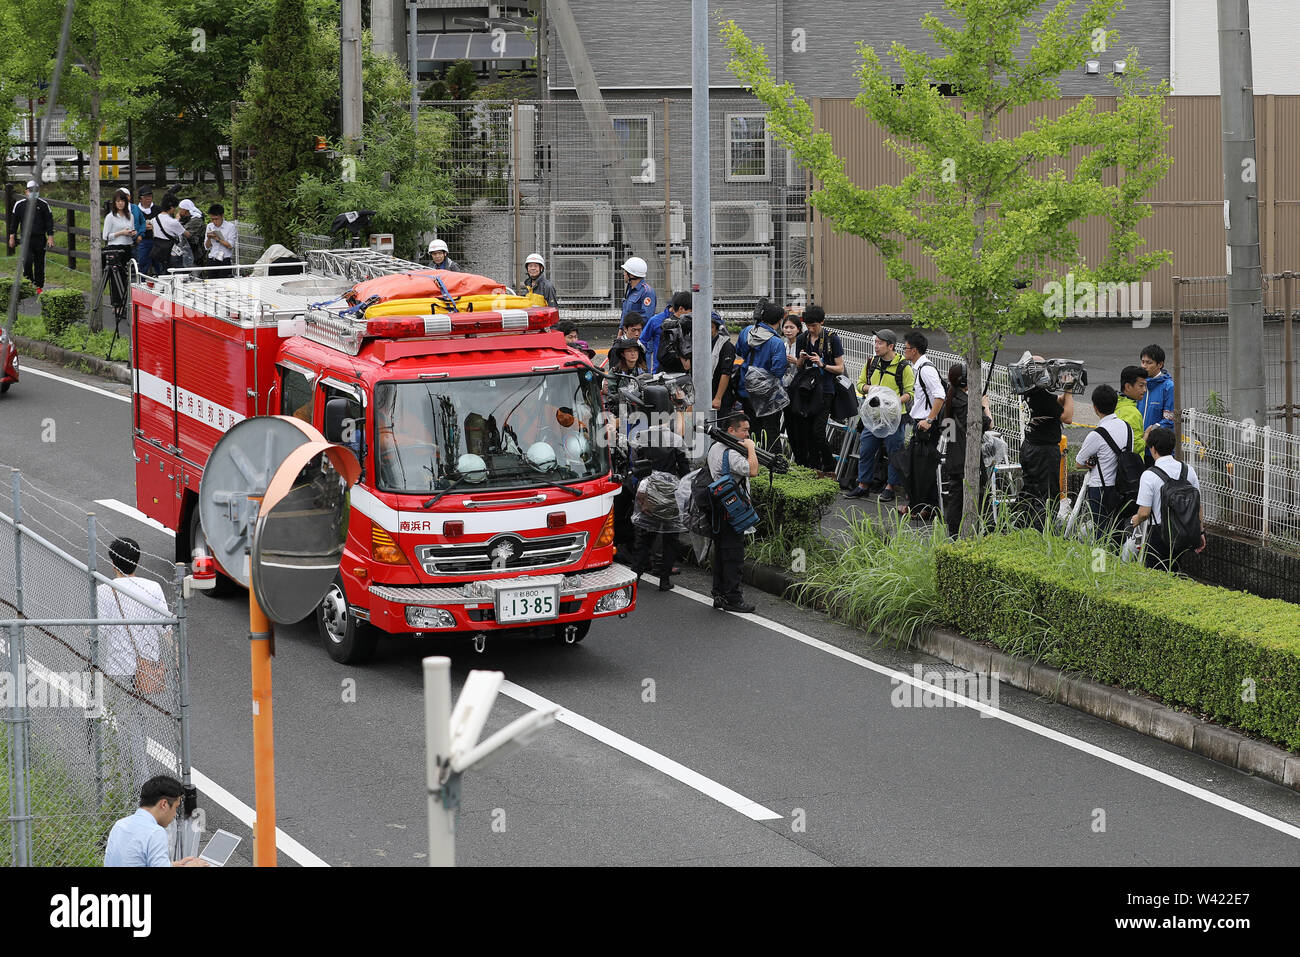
(28, 370)
(1160, 777)
(693, 779)
(134, 513)
(246, 815)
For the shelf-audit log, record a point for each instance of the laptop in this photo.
(220, 848)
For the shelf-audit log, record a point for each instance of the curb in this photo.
(1116, 705)
(117, 371)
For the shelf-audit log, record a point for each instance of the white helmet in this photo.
(437, 246)
(472, 468)
(535, 258)
(576, 447)
(635, 266)
(541, 456)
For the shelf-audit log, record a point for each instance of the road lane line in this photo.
(693, 779)
(134, 513)
(28, 370)
(1128, 764)
(247, 816)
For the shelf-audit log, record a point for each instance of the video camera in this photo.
(1054, 375)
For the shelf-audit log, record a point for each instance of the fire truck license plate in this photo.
(527, 604)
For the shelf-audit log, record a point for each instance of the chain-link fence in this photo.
(1202, 362)
(97, 668)
(548, 177)
(249, 244)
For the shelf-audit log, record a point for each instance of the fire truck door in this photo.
(354, 422)
(295, 391)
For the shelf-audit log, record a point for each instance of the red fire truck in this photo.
(485, 503)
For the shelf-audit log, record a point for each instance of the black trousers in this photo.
(34, 264)
(1157, 552)
(1040, 469)
(796, 432)
(816, 448)
(643, 555)
(954, 488)
(764, 429)
(728, 558)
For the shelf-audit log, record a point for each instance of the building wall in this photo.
(654, 49)
(1187, 205)
(1274, 37)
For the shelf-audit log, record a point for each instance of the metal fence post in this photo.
(189, 836)
(18, 539)
(1178, 369)
(1288, 355)
(19, 801)
(98, 744)
(1268, 445)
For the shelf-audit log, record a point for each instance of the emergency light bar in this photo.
(347, 334)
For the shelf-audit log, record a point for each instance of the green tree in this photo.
(113, 62)
(12, 84)
(985, 208)
(461, 80)
(403, 175)
(286, 98)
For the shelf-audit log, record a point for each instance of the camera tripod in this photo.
(116, 263)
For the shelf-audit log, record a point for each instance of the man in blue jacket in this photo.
(1157, 406)
(761, 347)
(639, 295)
(681, 306)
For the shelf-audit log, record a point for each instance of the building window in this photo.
(749, 152)
(634, 133)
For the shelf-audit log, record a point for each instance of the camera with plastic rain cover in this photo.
(648, 403)
(1054, 375)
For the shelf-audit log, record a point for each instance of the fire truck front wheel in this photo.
(348, 640)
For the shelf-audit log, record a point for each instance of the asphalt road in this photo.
(776, 737)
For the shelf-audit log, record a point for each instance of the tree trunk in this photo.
(970, 499)
(95, 220)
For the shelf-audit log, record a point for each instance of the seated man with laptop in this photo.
(141, 839)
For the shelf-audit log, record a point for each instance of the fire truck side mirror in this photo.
(336, 414)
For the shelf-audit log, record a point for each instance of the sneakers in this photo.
(666, 584)
(858, 492)
(719, 603)
(741, 607)
(887, 495)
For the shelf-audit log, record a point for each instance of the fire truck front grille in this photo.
(502, 553)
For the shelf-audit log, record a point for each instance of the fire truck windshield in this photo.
(507, 432)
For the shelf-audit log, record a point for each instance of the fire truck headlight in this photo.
(419, 617)
(614, 601)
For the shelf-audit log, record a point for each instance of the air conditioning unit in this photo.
(741, 276)
(652, 220)
(582, 277)
(795, 260)
(748, 223)
(581, 224)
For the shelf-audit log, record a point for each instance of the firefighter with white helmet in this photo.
(640, 296)
(438, 253)
(538, 285)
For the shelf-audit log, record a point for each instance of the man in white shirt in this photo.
(219, 241)
(1161, 443)
(1096, 456)
(167, 227)
(140, 840)
(121, 648)
(923, 450)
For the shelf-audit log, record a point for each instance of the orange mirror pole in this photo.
(259, 635)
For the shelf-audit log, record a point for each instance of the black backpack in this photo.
(1180, 512)
(1123, 495)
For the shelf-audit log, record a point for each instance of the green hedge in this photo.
(77, 338)
(790, 509)
(26, 288)
(1194, 645)
(61, 309)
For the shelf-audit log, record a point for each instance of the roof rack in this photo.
(358, 265)
(346, 331)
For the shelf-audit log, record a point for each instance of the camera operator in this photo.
(729, 544)
(1040, 452)
(655, 453)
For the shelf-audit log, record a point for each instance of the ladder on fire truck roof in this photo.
(358, 265)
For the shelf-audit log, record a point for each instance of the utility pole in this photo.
(381, 27)
(1241, 214)
(412, 8)
(350, 73)
(701, 228)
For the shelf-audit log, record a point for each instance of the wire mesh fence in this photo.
(1202, 361)
(1249, 477)
(249, 244)
(86, 723)
(588, 185)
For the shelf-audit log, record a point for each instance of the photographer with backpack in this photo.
(728, 543)
(1113, 469)
(1170, 498)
